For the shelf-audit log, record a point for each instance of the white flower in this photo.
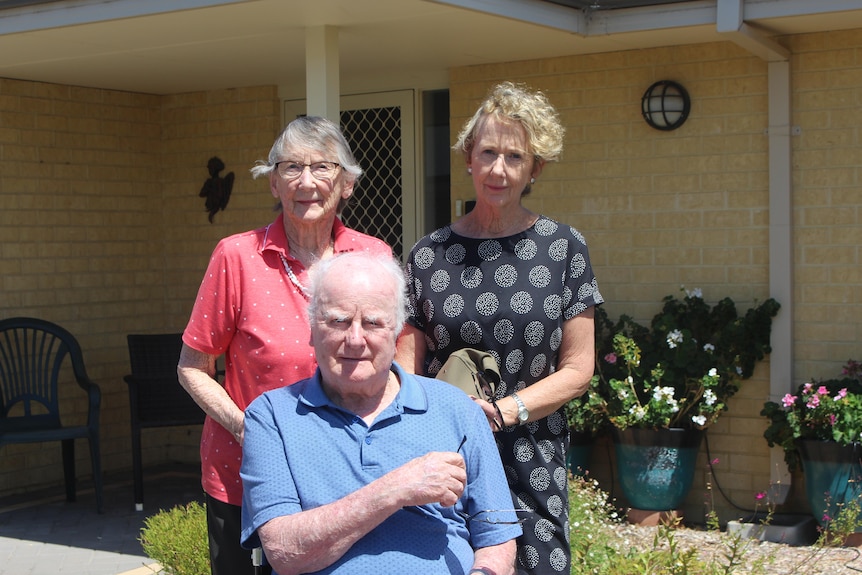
(699, 419)
(663, 394)
(708, 347)
(739, 370)
(696, 292)
(674, 338)
(712, 372)
(638, 411)
(709, 397)
(622, 393)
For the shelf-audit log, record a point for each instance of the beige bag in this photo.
(472, 371)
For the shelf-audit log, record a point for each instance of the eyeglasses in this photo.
(495, 516)
(510, 159)
(290, 170)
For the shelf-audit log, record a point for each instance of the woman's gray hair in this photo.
(388, 267)
(314, 133)
(516, 103)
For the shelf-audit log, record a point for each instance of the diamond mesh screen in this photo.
(376, 206)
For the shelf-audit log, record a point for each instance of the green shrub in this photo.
(599, 548)
(592, 519)
(177, 539)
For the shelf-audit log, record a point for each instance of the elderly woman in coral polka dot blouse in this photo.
(251, 308)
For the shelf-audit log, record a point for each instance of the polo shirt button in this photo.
(368, 440)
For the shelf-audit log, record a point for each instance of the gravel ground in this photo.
(777, 558)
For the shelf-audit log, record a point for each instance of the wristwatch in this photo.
(523, 412)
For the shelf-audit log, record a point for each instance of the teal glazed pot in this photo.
(580, 451)
(655, 467)
(833, 476)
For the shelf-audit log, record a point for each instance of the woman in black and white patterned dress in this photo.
(520, 285)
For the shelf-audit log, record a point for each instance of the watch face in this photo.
(523, 414)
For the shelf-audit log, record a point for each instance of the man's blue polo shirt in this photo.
(302, 451)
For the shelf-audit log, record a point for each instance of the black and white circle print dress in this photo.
(510, 296)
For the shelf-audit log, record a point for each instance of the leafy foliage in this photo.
(678, 372)
(599, 547)
(588, 413)
(829, 410)
(177, 539)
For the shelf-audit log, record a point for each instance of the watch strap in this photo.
(523, 412)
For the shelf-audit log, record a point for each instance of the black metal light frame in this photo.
(665, 105)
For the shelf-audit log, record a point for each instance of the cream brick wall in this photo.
(690, 207)
(827, 86)
(103, 231)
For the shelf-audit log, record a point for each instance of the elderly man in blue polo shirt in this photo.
(364, 468)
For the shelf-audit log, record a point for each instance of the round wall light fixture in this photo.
(665, 105)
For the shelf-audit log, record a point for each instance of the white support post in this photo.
(322, 85)
(780, 256)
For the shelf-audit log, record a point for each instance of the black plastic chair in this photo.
(156, 398)
(32, 355)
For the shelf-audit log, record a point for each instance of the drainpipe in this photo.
(730, 22)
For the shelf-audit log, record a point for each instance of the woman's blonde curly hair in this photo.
(516, 103)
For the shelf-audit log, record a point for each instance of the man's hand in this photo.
(436, 477)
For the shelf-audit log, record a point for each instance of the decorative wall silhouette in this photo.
(216, 190)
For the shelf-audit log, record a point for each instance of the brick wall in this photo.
(827, 88)
(690, 207)
(103, 230)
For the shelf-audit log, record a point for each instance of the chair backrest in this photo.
(32, 352)
(157, 396)
(154, 355)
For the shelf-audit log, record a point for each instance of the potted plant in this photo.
(820, 427)
(587, 418)
(587, 415)
(666, 383)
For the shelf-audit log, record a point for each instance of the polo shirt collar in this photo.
(411, 396)
(274, 238)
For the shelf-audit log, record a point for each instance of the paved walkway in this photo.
(42, 534)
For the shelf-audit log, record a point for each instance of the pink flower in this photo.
(841, 394)
(813, 401)
(611, 358)
(807, 388)
(760, 495)
(788, 400)
(822, 390)
(715, 461)
(832, 419)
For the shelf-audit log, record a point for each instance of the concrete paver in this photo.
(42, 534)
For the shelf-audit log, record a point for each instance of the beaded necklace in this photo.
(294, 280)
(290, 275)
(306, 293)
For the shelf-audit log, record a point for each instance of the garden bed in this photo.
(775, 558)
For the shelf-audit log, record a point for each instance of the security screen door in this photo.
(381, 132)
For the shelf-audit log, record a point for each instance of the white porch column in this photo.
(780, 255)
(322, 86)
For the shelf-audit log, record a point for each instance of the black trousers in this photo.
(227, 556)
